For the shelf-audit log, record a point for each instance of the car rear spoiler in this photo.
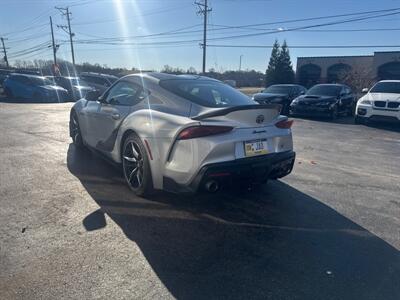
(227, 110)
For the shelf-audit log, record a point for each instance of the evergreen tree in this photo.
(285, 69)
(280, 68)
(271, 73)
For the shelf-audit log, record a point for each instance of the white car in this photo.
(183, 133)
(382, 102)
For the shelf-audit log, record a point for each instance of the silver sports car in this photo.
(183, 133)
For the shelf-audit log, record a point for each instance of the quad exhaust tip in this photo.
(212, 186)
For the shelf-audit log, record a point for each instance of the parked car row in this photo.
(37, 88)
(322, 99)
(381, 102)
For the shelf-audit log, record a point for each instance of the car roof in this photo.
(393, 80)
(98, 74)
(286, 84)
(331, 84)
(27, 75)
(164, 76)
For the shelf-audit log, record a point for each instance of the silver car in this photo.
(183, 133)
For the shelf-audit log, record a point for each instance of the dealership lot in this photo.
(70, 228)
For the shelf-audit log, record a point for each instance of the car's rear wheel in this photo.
(36, 97)
(136, 166)
(75, 131)
(358, 120)
(8, 93)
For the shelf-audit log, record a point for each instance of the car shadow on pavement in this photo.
(273, 243)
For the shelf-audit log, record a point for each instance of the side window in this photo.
(123, 93)
(86, 78)
(16, 78)
(101, 81)
(25, 80)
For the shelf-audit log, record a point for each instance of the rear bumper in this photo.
(252, 169)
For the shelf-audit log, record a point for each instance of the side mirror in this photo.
(92, 95)
(364, 90)
(302, 92)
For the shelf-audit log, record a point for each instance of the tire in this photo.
(8, 93)
(136, 166)
(358, 120)
(75, 131)
(36, 97)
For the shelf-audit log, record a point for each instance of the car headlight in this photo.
(368, 102)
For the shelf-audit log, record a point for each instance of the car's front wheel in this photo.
(136, 166)
(334, 113)
(75, 131)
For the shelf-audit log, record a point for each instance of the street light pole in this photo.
(240, 62)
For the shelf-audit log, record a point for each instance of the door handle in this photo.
(115, 116)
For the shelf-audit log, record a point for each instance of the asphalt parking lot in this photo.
(70, 228)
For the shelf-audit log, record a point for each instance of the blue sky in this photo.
(25, 24)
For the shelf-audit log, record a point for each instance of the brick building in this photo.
(326, 69)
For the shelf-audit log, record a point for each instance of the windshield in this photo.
(386, 87)
(206, 92)
(278, 89)
(325, 90)
(41, 81)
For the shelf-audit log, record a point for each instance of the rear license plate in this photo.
(256, 147)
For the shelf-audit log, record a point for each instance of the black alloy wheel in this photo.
(136, 167)
(75, 131)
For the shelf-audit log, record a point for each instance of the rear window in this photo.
(206, 92)
(278, 89)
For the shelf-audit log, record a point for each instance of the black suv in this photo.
(280, 93)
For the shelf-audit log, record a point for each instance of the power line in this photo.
(236, 36)
(313, 18)
(306, 27)
(307, 46)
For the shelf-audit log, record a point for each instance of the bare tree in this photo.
(357, 78)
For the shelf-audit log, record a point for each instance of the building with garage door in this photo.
(331, 69)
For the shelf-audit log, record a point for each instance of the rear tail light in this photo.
(284, 124)
(201, 131)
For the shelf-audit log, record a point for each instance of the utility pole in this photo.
(53, 43)
(240, 62)
(5, 52)
(204, 10)
(65, 12)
